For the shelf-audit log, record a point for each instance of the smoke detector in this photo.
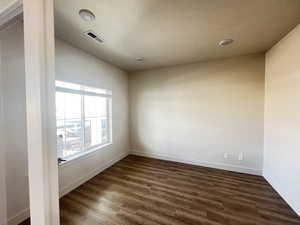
(92, 35)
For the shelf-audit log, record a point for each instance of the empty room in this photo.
(147, 112)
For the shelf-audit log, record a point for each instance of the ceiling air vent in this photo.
(91, 34)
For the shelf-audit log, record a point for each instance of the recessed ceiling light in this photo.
(141, 59)
(226, 42)
(87, 15)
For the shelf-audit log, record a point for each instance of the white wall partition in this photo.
(282, 120)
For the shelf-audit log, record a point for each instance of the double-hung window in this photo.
(83, 119)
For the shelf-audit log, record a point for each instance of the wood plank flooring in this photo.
(143, 191)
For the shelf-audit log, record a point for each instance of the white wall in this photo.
(13, 79)
(195, 113)
(282, 118)
(73, 65)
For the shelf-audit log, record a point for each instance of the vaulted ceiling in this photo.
(172, 32)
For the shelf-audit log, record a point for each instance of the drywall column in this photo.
(282, 121)
(40, 106)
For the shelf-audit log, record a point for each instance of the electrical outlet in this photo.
(241, 157)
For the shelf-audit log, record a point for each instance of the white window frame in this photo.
(82, 92)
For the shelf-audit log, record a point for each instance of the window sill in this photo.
(83, 155)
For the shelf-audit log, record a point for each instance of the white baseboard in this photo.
(24, 214)
(19, 217)
(81, 180)
(222, 166)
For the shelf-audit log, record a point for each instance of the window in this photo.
(83, 119)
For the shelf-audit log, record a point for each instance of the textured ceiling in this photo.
(172, 32)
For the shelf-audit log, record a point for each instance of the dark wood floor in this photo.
(145, 191)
